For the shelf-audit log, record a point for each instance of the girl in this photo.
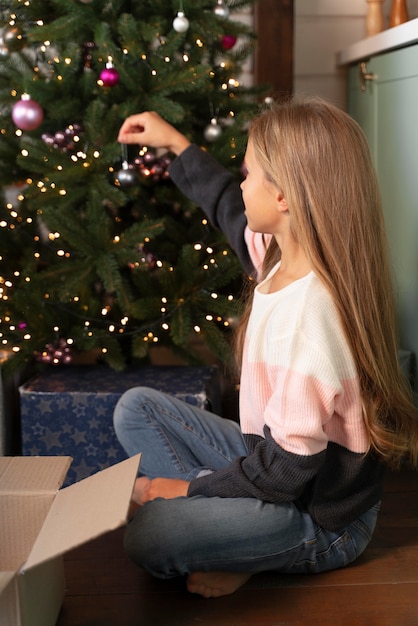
(323, 405)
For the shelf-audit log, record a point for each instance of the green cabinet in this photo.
(383, 98)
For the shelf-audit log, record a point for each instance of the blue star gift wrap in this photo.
(69, 411)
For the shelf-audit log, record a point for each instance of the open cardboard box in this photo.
(39, 523)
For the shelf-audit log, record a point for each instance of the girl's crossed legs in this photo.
(217, 542)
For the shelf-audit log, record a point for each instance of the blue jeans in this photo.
(182, 535)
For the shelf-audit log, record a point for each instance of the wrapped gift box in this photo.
(69, 411)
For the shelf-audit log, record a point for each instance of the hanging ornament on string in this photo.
(213, 131)
(180, 22)
(228, 42)
(14, 38)
(27, 114)
(126, 177)
(221, 10)
(109, 75)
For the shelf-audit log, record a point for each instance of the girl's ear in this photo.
(282, 204)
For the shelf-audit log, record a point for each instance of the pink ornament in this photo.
(228, 42)
(109, 76)
(27, 114)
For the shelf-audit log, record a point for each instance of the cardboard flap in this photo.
(21, 519)
(86, 510)
(32, 474)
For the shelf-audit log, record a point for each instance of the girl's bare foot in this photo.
(215, 584)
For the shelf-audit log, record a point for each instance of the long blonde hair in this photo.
(318, 157)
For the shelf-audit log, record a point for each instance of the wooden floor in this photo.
(381, 589)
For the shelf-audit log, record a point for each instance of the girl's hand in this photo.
(149, 129)
(146, 490)
(164, 488)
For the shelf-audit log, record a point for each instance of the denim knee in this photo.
(127, 413)
(145, 540)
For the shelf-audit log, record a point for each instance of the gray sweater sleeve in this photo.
(335, 486)
(215, 190)
(268, 473)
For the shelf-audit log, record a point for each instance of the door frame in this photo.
(273, 58)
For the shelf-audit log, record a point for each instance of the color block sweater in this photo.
(300, 405)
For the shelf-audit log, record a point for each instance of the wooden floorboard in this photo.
(381, 589)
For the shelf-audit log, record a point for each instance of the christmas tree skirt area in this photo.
(69, 411)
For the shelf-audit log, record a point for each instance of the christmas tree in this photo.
(98, 249)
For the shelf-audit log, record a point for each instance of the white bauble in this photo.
(180, 23)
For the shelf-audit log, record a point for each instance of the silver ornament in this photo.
(180, 23)
(212, 131)
(126, 177)
(13, 38)
(221, 10)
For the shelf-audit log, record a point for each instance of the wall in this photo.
(322, 28)
(246, 15)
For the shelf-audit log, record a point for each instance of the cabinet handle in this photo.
(365, 76)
